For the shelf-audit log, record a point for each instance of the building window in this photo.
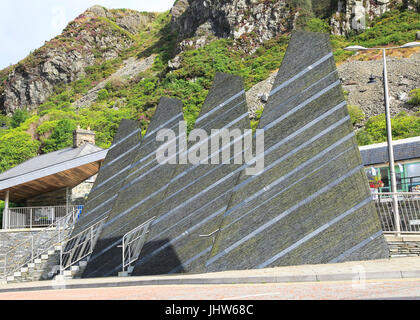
(412, 178)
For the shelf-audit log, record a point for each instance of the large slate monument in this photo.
(312, 203)
(180, 239)
(143, 188)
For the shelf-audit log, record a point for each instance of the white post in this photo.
(390, 149)
(6, 211)
(68, 194)
(123, 255)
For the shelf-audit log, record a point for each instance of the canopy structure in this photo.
(52, 171)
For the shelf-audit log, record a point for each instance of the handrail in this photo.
(49, 228)
(408, 209)
(65, 223)
(209, 235)
(79, 246)
(133, 242)
(26, 217)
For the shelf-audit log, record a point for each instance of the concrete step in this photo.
(10, 278)
(57, 248)
(74, 268)
(124, 274)
(24, 270)
(37, 261)
(61, 277)
(51, 252)
(45, 256)
(67, 273)
(31, 265)
(17, 274)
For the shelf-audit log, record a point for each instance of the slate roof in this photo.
(51, 163)
(404, 149)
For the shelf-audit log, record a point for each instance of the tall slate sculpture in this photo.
(139, 195)
(111, 175)
(312, 203)
(199, 193)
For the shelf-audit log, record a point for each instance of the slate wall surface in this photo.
(143, 188)
(111, 175)
(198, 194)
(312, 203)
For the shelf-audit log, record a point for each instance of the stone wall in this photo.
(20, 241)
(407, 246)
(58, 198)
(54, 198)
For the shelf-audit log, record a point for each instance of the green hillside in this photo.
(50, 127)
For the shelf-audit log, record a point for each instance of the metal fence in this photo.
(79, 246)
(407, 215)
(37, 217)
(133, 242)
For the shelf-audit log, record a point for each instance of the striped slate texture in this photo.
(312, 203)
(111, 175)
(139, 195)
(198, 195)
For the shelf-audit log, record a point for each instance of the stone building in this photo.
(46, 187)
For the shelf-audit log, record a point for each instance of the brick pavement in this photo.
(402, 277)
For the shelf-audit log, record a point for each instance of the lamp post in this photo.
(388, 124)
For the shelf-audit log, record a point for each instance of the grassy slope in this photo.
(190, 83)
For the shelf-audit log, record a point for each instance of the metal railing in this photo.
(212, 234)
(408, 217)
(54, 234)
(37, 217)
(79, 246)
(132, 243)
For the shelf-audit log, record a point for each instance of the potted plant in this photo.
(376, 183)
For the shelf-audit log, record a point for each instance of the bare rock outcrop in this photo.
(131, 68)
(89, 38)
(403, 76)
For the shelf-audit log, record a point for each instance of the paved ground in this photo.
(378, 279)
(371, 289)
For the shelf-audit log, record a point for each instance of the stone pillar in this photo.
(6, 211)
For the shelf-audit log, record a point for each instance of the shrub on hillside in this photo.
(414, 97)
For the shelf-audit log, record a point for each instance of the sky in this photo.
(26, 24)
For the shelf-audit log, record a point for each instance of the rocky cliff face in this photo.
(261, 20)
(96, 35)
(265, 19)
(355, 15)
(99, 34)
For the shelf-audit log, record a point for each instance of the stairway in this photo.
(46, 262)
(75, 272)
(37, 269)
(46, 267)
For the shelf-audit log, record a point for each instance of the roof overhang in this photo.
(69, 173)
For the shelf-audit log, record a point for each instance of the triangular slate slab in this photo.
(142, 190)
(111, 175)
(180, 239)
(312, 203)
